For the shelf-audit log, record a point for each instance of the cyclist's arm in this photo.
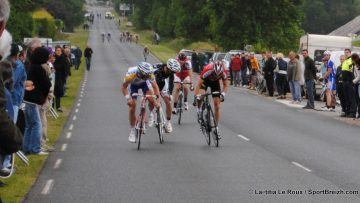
(124, 89)
(225, 85)
(156, 87)
(171, 84)
(191, 76)
(198, 86)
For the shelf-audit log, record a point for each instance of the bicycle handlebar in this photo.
(142, 95)
(189, 83)
(211, 93)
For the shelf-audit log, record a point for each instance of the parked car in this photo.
(218, 56)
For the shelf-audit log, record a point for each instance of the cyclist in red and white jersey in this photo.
(210, 77)
(186, 76)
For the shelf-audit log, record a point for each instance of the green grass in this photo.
(168, 48)
(19, 185)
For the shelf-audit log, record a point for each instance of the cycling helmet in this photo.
(173, 65)
(182, 56)
(218, 67)
(145, 68)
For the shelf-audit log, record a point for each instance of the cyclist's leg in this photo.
(186, 87)
(148, 90)
(132, 107)
(177, 90)
(215, 87)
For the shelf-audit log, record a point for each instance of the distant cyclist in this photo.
(103, 37)
(164, 74)
(210, 77)
(139, 77)
(146, 53)
(108, 36)
(185, 75)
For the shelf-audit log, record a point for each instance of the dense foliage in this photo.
(64, 14)
(270, 24)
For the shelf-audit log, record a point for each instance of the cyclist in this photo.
(210, 77)
(185, 75)
(139, 77)
(103, 37)
(108, 36)
(164, 74)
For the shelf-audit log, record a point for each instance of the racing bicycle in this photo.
(180, 105)
(208, 124)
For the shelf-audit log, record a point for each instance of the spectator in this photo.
(88, 53)
(7, 75)
(330, 83)
(269, 68)
(78, 54)
(230, 69)
(5, 44)
(340, 87)
(194, 62)
(19, 78)
(67, 54)
(236, 65)
(60, 76)
(36, 94)
(309, 76)
(201, 61)
(349, 91)
(263, 60)
(31, 46)
(281, 75)
(356, 81)
(255, 68)
(146, 53)
(244, 69)
(302, 79)
(294, 76)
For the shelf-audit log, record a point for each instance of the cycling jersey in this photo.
(185, 69)
(165, 80)
(137, 83)
(209, 74)
(331, 82)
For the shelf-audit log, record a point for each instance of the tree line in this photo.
(64, 15)
(265, 24)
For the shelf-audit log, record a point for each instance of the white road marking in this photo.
(81, 95)
(80, 100)
(301, 166)
(74, 118)
(82, 92)
(68, 135)
(76, 110)
(71, 127)
(48, 186)
(63, 147)
(57, 163)
(78, 104)
(243, 137)
(286, 102)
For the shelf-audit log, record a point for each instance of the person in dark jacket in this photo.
(340, 87)
(194, 62)
(310, 76)
(36, 91)
(88, 54)
(60, 66)
(269, 68)
(281, 76)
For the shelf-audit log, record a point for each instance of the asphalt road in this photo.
(266, 148)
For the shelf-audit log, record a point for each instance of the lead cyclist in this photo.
(164, 76)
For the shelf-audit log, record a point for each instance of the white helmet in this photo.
(145, 68)
(173, 65)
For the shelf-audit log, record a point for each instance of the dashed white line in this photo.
(81, 95)
(74, 118)
(63, 147)
(76, 110)
(244, 138)
(80, 100)
(68, 135)
(57, 163)
(78, 104)
(71, 127)
(301, 166)
(48, 186)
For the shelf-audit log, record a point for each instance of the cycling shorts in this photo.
(185, 79)
(145, 87)
(214, 87)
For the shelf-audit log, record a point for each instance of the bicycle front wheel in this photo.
(160, 126)
(213, 127)
(179, 108)
(206, 126)
(140, 129)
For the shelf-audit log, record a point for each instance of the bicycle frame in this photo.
(209, 124)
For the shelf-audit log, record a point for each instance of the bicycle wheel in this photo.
(160, 125)
(139, 129)
(213, 127)
(206, 126)
(179, 108)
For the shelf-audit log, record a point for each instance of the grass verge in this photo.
(168, 48)
(20, 184)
